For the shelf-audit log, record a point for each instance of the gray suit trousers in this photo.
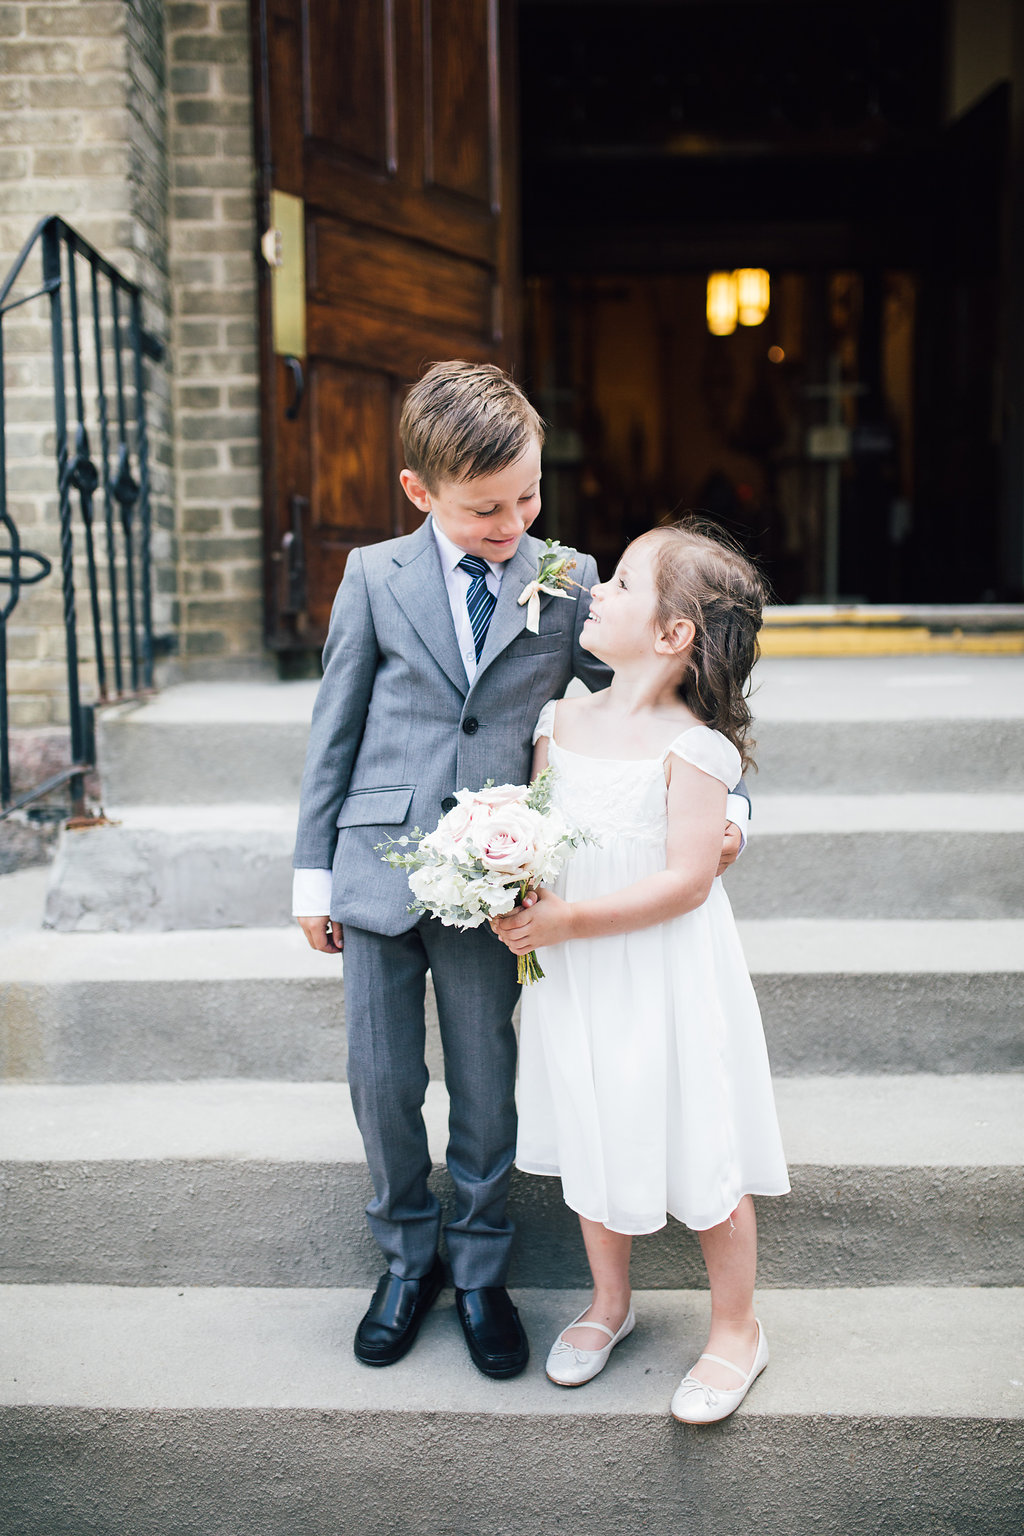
(475, 985)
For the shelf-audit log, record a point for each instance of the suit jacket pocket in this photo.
(376, 807)
(547, 641)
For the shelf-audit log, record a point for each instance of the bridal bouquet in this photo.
(483, 856)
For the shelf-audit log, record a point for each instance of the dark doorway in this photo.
(848, 438)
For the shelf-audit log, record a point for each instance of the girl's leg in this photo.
(730, 1253)
(608, 1256)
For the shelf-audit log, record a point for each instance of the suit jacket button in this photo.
(448, 803)
(471, 725)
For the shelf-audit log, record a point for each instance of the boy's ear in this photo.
(677, 639)
(414, 488)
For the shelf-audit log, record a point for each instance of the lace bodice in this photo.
(627, 797)
(606, 795)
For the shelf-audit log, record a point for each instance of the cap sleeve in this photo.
(709, 751)
(545, 721)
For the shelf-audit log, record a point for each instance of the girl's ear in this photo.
(414, 488)
(677, 639)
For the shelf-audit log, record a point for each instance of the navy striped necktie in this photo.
(479, 600)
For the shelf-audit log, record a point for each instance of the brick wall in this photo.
(82, 134)
(133, 120)
(215, 332)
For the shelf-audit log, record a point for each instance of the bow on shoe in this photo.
(562, 1348)
(691, 1384)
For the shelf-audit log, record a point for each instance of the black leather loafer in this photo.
(391, 1322)
(493, 1331)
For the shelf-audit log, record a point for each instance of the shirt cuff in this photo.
(737, 810)
(311, 893)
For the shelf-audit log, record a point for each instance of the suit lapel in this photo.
(509, 618)
(418, 587)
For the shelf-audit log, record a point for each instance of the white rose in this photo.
(499, 794)
(451, 829)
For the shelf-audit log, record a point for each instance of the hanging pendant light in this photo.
(721, 303)
(753, 291)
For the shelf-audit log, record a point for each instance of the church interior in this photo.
(765, 256)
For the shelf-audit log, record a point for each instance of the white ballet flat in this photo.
(694, 1402)
(568, 1366)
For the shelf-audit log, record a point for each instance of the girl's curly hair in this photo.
(699, 575)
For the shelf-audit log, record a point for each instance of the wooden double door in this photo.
(391, 122)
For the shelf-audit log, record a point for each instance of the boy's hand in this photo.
(322, 934)
(730, 847)
(543, 919)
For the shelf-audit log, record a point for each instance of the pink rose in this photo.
(508, 840)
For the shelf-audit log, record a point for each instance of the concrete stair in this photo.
(836, 996)
(866, 856)
(227, 1410)
(183, 1255)
(896, 1180)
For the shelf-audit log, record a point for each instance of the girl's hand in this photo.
(543, 919)
(730, 847)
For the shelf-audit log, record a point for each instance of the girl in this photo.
(643, 1075)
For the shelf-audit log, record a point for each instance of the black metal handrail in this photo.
(116, 338)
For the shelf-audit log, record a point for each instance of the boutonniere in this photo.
(552, 578)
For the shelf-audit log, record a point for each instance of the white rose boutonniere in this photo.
(552, 578)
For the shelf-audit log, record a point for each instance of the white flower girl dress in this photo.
(643, 1072)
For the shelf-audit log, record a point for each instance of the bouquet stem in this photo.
(529, 969)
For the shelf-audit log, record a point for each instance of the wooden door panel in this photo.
(349, 88)
(374, 341)
(451, 224)
(403, 281)
(461, 133)
(354, 473)
(393, 121)
(353, 456)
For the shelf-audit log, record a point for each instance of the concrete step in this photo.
(204, 743)
(245, 1002)
(897, 1180)
(844, 856)
(855, 726)
(883, 856)
(158, 867)
(178, 1412)
(837, 996)
(847, 995)
(864, 725)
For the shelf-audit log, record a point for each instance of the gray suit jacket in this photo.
(397, 727)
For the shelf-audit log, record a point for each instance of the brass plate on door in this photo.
(284, 249)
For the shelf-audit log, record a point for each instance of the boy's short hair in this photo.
(463, 420)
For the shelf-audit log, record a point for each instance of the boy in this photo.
(432, 683)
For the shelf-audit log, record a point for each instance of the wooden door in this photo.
(393, 122)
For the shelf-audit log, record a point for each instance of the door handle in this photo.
(298, 387)
(293, 548)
